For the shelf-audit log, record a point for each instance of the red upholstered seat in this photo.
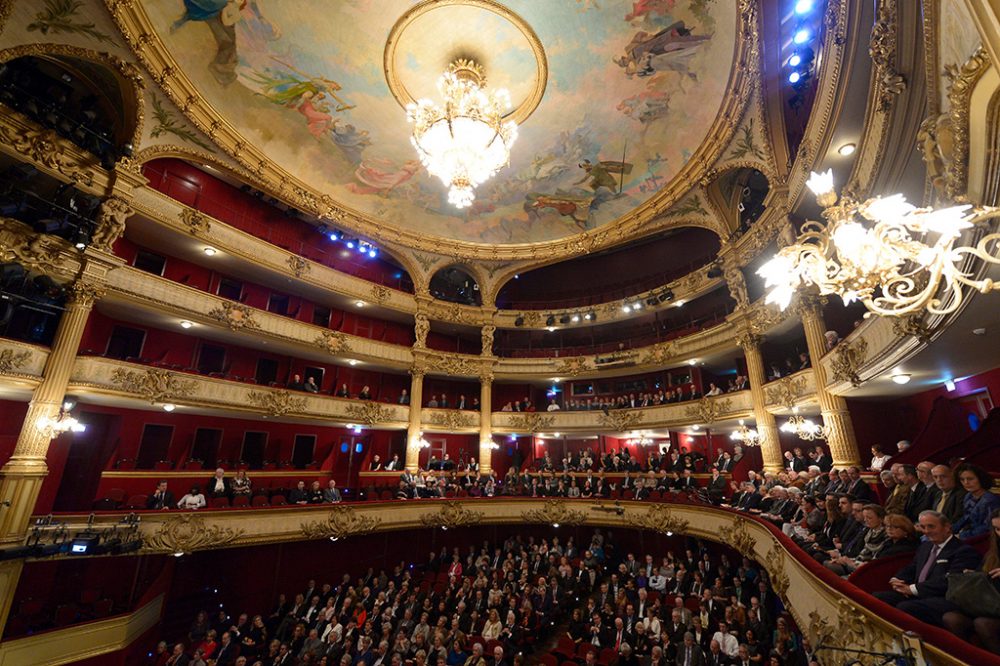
(548, 660)
(278, 500)
(260, 500)
(117, 494)
(219, 503)
(103, 607)
(136, 502)
(583, 648)
(163, 465)
(66, 614)
(241, 500)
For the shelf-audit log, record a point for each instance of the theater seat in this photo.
(103, 607)
(260, 500)
(241, 500)
(66, 614)
(279, 500)
(136, 502)
(220, 503)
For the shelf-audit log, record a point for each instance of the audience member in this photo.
(986, 627)
(161, 498)
(192, 500)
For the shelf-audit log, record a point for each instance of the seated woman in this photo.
(240, 484)
(979, 502)
(879, 459)
(366, 393)
(901, 537)
(987, 628)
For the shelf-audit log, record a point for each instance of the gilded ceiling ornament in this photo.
(963, 82)
(47, 148)
(235, 315)
(11, 360)
(110, 223)
(341, 521)
(786, 391)
(369, 413)
(452, 419)
(298, 265)
(912, 326)
(620, 420)
(451, 514)
(574, 366)
(531, 422)
(774, 563)
(487, 339)
(380, 294)
(882, 49)
(187, 532)
(737, 536)
(659, 354)
(333, 342)
(847, 360)
(708, 410)
(554, 512)
(658, 518)
(276, 403)
(153, 384)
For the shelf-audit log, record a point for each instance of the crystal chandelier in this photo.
(60, 424)
(893, 257)
(805, 428)
(641, 440)
(465, 141)
(745, 435)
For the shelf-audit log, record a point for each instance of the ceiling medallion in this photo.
(465, 141)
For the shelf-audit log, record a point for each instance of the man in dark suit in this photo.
(919, 588)
(857, 488)
(687, 482)
(823, 460)
(915, 500)
(228, 651)
(947, 498)
(716, 487)
(690, 654)
(162, 498)
(218, 485)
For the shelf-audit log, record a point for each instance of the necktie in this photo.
(940, 504)
(687, 657)
(929, 564)
(618, 642)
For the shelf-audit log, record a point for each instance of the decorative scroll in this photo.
(774, 563)
(11, 360)
(153, 384)
(554, 512)
(333, 342)
(236, 316)
(708, 410)
(739, 538)
(658, 518)
(620, 420)
(186, 533)
(276, 403)
(452, 419)
(574, 366)
(195, 221)
(451, 514)
(531, 422)
(369, 413)
(847, 360)
(342, 521)
(786, 391)
(298, 266)
(380, 294)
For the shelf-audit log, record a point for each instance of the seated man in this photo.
(331, 495)
(162, 498)
(299, 494)
(217, 486)
(919, 588)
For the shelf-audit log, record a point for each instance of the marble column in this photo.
(767, 427)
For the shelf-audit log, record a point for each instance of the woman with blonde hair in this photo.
(493, 626)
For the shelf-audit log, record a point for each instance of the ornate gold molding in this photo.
(708, 410)
(452, 419)
(451, 514)
(236, 316)
(188, 532)
(333, 342)
(554, 512)
(848, 358)
(276, 403)
(739, 538)
(659, 354)
(84, 292)
(786, 391)
(43, 253)
(882, 49)
(531, 422)
(341, 521)
(298, 266)
(774, 563)
(912, 326)
(110, 223)
(621, 420)
(657, 517)
(963, 82)
(380, 294)
(11, 360)
(850, 629)
(574, 366)
(196, 222)
(154, 385)
(369, 413)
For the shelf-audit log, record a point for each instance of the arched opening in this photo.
(455, 285)
(741, 194)
(81, 100)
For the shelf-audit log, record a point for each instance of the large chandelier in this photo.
(893, 257)
(64, 422)
(745, 435)
(465, 141)
(806, 429)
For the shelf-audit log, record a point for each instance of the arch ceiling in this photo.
(302, 82)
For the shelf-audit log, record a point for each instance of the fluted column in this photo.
(416, 406)
(485, 422)
(836, 417)
(767, 427)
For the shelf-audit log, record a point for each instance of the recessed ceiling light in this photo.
(169, 407)
(949, 385)
(979, 331)
(550, 328)
(353, 361)
(210, 251)
(696, 427)
(575, 319)
(693, 361)
(359, 304)
(847, 149)
(680, 303)
(186, 324)
(901, 378)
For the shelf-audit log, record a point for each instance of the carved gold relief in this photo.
(963, 82)
(452, 419)
(851, 629)
(708, 410)
(737, 536)
(235, 315)
(380, 294)
(196, 222)
(421, 327)
(333, 342)
(847, 360)
(912, 326)
(154, 385)
(38, 252)
(786, 391)
(657, 517)
(47, 148)
(531, 422)
(573, 366)
(451, 514)
(659, 354)
(11, 360)
(188, 532)
(554, 512)
(110, 223)
(369, 413)
(620, 420)
(453, 365)
(774, 563)
(276, 403)
(298, 266)
(882, 49)
(487, 339)
(342, 521)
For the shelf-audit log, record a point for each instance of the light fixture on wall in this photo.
(745, 435)
(62, 423)
(893, 257)
(466, 140)
(900, 378)
(806, 429)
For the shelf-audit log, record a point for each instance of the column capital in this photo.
(808, 303)
(84, 292)
(418, 369)
(749, 340)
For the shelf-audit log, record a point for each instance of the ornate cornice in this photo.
(236, 316)
(531, 422)
(882, 49)
(342, 521)
(848, 357)
(621, 420)
(452, 419)
(708, 410)
(554, 512)
(369, 413)
(154, 385)
(276, 403)
(658, 518)
(451, 514)
(963, 82)
(187, 532)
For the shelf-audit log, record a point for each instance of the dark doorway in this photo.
(88, 455)
(252, 453)
(211, 359)
(267, 371)
(154, 445)
(206, 446)
(303, 450)
(125, 343)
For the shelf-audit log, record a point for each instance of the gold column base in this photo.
(20, 483)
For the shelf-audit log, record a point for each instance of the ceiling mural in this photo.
(612, 98)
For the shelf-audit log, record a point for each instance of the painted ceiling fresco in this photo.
(631, 90)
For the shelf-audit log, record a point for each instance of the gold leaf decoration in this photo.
(738, 537)
(19, 243)
(276, 403)
(774, 563)
(453, 364)
(912, 326)
(847, 360)
(369, 413)
(574, 366)
(110, 223)
(658, 518)
(298, 265)
(452, 419)
(195, 221)
(659, 354)
(785, 391)
(850, 630)
(554, 512)
(154, 385)
(532, 319)
(451, 514)
(11, 360)
(186, 533)
(620, 420)
(47, 148)
(341, 522)
(333, 342)
(380, 294)
(708, 410)
(531, 422)
(236, 316)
